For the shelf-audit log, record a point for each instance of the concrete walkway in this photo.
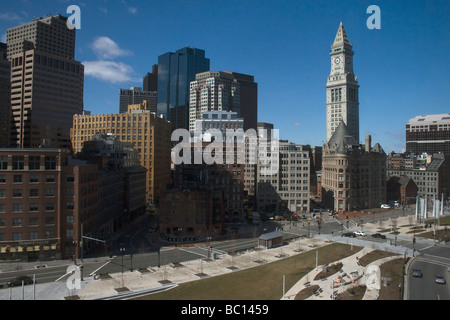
(350, 275)
(153, 279)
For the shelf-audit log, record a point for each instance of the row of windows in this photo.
(49, 234)
(34, 163)
(34, 207)
(18, 178)
(34, 193)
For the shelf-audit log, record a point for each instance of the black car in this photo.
(349, 234)
(17, 281)
(379, 236)
(417, 273)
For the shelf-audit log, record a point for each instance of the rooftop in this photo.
(430, 119)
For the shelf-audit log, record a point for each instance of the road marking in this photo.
(439, 263)
(199, 254)
(103, 265)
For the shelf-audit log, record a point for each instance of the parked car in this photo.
(417, 273)
(379, 236)
(439, 279)
(386, 206)
(17, 281)
(360, 233)
(349, 234)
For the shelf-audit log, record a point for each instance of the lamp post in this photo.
(122, 251)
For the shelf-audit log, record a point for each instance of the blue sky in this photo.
(403, 68)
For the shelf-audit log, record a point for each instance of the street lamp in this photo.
(122, 251)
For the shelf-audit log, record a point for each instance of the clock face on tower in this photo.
(337, 60)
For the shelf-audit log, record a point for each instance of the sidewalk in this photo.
(352, 274)
(152, 278)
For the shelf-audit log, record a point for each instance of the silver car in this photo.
(439, 279)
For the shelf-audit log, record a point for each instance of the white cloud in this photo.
(12, 17)
(106, 48)
(110, 71)
(132, 10)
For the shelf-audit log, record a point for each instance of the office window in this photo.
(34, 162)
(3, 163)
(34, 235)
(49, 234)
(33, 222)
(17, 193)
(17, 222)
(50, 163)
(18, 162)
(33, 193)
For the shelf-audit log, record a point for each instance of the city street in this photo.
(432, 259)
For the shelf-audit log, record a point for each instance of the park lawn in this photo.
(258, 283)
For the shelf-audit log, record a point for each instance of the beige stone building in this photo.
(149, 134)
(353, 175)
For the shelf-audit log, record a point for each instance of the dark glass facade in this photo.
(175, 73)
(430, 140)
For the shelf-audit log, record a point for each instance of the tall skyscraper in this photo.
(136, 95)
(5, 93)
(151, 79)
(342, 87)
(175, 73)
(224, 91)
(212, 91)
(248, 93)
(46, 83)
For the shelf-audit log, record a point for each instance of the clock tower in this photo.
(342, 87)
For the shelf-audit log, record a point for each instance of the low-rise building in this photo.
(50, 200)
(353, 175)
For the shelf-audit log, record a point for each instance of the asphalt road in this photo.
(432, 261)
(140, 252)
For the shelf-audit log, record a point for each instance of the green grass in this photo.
(257, 283)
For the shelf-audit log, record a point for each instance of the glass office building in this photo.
(175, 72)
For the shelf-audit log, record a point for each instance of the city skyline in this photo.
(401, 67)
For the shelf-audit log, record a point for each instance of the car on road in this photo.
(439, 279)
(417, 273)
(349, 234)
(360, 233)
(379, 236)
(386, 206)
(17, 281)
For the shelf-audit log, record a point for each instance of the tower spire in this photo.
(341, 39)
